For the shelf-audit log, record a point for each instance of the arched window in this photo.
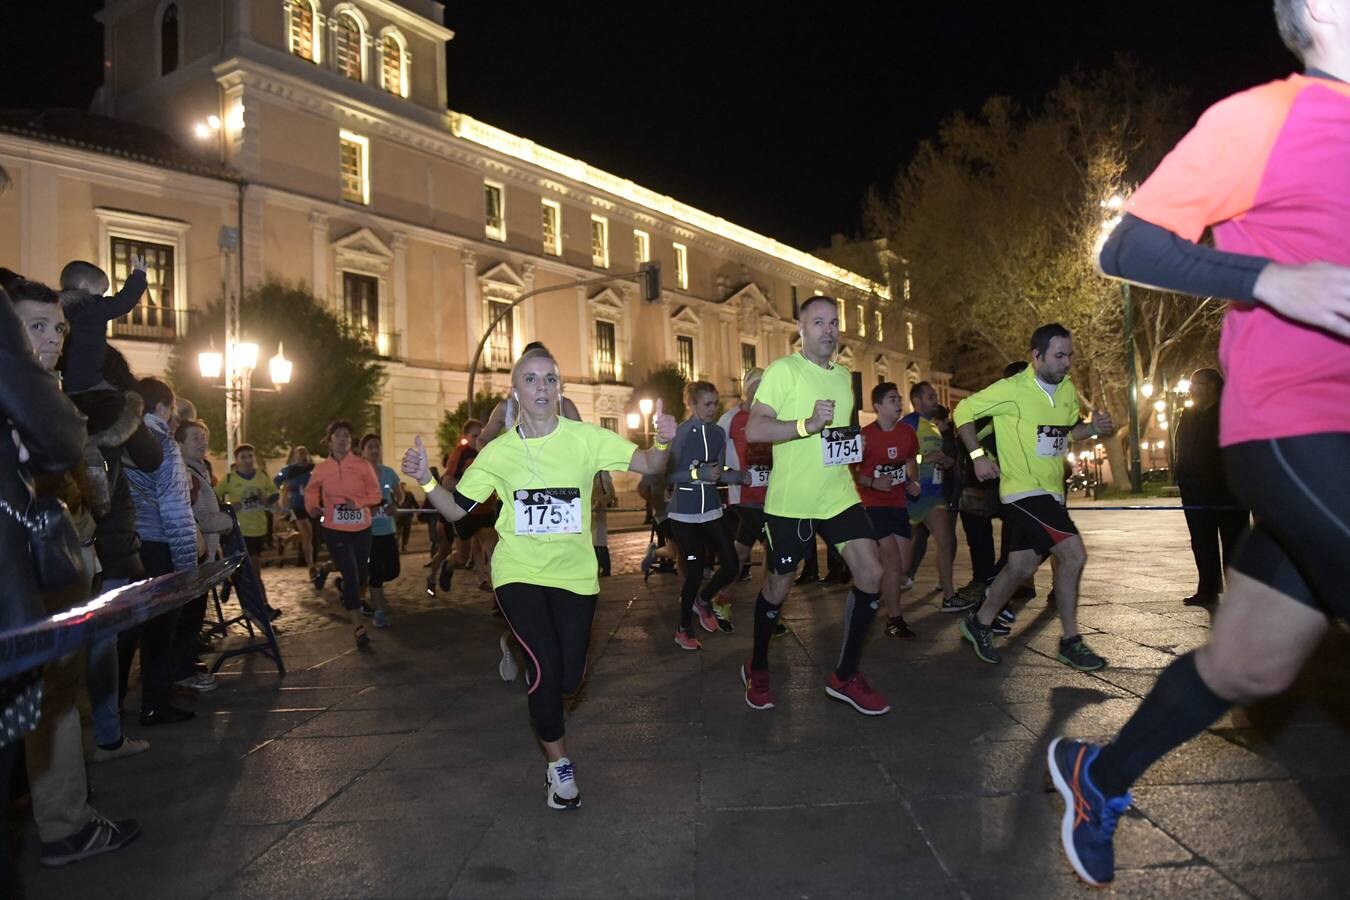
(349, 45)
(394, 63)
(302, 22)
(168, 39)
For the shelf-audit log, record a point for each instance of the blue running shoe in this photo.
(1089, 824)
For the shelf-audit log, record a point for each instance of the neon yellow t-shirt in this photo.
(249, 497)
(802, 486)
(547, 480)
(1032, 430)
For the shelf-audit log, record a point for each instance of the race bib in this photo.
(1052, 440)
(841, 446)
(937, 474)
(759, 475)
(896, 472)
(252, 502)
(348, 515)
(548, 511)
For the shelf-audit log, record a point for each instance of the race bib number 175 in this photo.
(841, 446)
(548, 511)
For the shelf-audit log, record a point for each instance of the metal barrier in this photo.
(108, 614)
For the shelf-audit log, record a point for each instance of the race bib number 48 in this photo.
(548, 511)
(841, 446)
(1052, 440)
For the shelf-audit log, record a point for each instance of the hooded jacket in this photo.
(163, 500)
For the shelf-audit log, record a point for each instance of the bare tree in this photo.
(1000, 216)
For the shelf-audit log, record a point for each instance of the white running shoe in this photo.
(563, 792)
(508, 667)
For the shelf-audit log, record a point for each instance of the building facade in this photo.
(310, 141)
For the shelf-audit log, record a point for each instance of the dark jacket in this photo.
(1200, 472)
(117, 432)
(695, 445)
(52, 430)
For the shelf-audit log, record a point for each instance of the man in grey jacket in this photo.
(168, 533)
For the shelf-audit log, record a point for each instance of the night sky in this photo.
(777, 121)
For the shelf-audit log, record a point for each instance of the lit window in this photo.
(348, 44)
(355, 163)
(361, 303)
(154, 317)
(494, 211)
(605, 346)
(501, 352)
(394, 64)
(684, 356)
(168, 39)
(909, 335)
(876, 317)
(302, 23)
(682, 267)
(642, 247)
(600, 242)
(610, 422)
(906, 288)
(552, 227)
(749, 354)
(843, 317)
(862, 321)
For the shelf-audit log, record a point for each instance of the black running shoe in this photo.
(447, 572)
(981, 638)
(318, 575)
(897, 627)
(1075, 652)
(99, 835)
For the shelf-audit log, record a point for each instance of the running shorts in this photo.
(792, 540)
(1037, 523)
(890, 520)
(385, 564)
(1298, 489)
(919, 509)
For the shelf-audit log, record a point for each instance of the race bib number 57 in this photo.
(841, 446)
(548, 511)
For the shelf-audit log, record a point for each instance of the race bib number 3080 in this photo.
(548, 511)
(348, 515)
(841, 446)
(1052, 440)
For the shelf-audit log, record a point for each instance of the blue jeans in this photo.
(102, 681)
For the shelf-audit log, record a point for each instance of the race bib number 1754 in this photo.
(841, 446)
(548, 511)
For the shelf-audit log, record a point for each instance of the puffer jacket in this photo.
(163, 500)
(697, 444)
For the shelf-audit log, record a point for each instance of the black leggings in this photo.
(553, 627)
(351, 554)
(692, 538)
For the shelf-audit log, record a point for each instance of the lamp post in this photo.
(238, 362)
(1114, 206)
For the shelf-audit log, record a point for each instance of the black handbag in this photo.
(52, 540)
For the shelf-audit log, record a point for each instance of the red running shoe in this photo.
(686, 641)
(857, 693)
(756, 683)
(706, 618)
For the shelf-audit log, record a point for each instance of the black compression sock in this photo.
(858, 616)
(766, 617)
(1179, 707)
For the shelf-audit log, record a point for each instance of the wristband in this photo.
(693, 473)
(801, 428)
(977, 453)
(430, 485)
(658, 445)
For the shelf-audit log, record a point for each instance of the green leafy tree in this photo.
(452, 423)
(337, 372)
(997, 222)
(665, 383)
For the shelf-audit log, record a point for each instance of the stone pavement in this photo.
(410, 771)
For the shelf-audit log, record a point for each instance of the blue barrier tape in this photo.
(1151, 508)
(115, 611)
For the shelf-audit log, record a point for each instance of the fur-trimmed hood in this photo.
(113, 415)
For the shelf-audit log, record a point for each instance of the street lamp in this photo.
(237, 363)
(1114, 207)
(645, 408)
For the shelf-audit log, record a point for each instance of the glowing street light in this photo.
(1146, 389)
(1160, 405)
(279, 367)
(645, 404)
